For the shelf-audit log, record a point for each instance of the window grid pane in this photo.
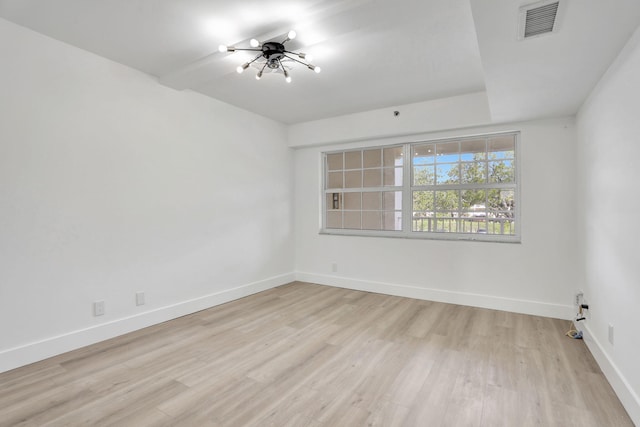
(353, 160)
(372, 158)
(372, 178)
(334, 161)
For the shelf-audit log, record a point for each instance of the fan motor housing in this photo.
(273, 52)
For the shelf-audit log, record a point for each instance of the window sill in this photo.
(468, 237)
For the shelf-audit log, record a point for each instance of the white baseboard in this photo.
(535, 308)
(33, 352)
(623, 390)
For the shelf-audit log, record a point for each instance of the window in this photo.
(458, 188)
(364, 189)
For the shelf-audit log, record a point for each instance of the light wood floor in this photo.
(310, 355)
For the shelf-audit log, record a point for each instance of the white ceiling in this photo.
(373, 53)
(550, 75)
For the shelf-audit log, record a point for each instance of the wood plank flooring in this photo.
(310, 355)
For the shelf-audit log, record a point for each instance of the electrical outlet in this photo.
(579, 295)
(98, 308)
(611, 333)
(140, 298)
(334, 267)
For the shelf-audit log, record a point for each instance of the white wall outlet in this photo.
(578, 296)
(334, 267)
(98, 308)
(140, 298)
(611, 333)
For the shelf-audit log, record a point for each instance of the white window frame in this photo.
(407, 196)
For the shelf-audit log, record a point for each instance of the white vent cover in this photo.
(538, 18)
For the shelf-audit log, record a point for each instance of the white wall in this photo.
(456, 112)
(111, 183)
(537, 276)
(609, 141)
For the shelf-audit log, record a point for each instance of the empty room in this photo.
(319, 213)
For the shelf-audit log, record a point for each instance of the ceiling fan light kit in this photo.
(271, 56)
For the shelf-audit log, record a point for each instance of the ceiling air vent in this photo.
(538, 18)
